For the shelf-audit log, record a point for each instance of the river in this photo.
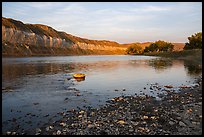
(34, 89)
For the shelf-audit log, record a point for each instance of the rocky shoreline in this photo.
(177, 113)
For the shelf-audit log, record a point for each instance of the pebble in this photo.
(90, 125)
(147, 130)
(13, 133)
(144, 122)
(121, 122)
(92, 113)
(189, 110)
(131, 130)
(8, 132)
(46, 115)
(182, 124)
(145, 117)
(155, 110)
(153, 117)
(193, 122)
(168, 86)
(78, 94)
(80, 116)
(171, 123)
(36, 103)
(141, 128)
(66, 99)
(38, 130)
(47, 129)
(81, 112)
(178, 118)
(59, 132)
(200, 116)
(63, 124)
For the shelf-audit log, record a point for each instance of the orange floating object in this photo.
(79, 77)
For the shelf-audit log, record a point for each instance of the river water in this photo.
(34, 89)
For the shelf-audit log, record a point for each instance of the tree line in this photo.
(195, 42)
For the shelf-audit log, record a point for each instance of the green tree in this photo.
(134, 49)
(153, 47)
(159, 46)
(195, 42)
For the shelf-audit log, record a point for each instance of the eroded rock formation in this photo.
(19, 39)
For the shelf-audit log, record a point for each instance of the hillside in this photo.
(178, 46)
(19, 39)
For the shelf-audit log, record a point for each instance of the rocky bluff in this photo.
(19, 39)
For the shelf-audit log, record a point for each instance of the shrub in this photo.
(134, 49)
(195, 42)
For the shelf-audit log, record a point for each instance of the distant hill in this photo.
(178, 46)
(143, 45)
(19, 39)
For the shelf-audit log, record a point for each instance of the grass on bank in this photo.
(194, 54)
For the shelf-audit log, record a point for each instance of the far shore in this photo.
(191, 55)
(195, 54)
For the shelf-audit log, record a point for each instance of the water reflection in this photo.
(160, 64)
(80, 79)
(193, 68)
(14, 71)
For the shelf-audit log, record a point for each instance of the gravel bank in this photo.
(175, 114)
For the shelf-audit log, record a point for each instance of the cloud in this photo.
(114, 21)
(70, 8)
(156, 8)
(42, 5)
(149, 9)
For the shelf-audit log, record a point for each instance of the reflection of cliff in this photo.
(13, 71)
(193, 68)
(18, 70)
(160, 64)
(21, 39)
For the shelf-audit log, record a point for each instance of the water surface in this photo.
(44, 86)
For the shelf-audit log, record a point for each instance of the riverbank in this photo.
(9, 50)
(175, 114)
(191, 55)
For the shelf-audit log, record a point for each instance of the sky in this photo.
(123, 22)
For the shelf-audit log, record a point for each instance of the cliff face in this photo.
(15, 36)
(19, 39)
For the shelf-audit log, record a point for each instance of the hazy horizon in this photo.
(125, 22)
